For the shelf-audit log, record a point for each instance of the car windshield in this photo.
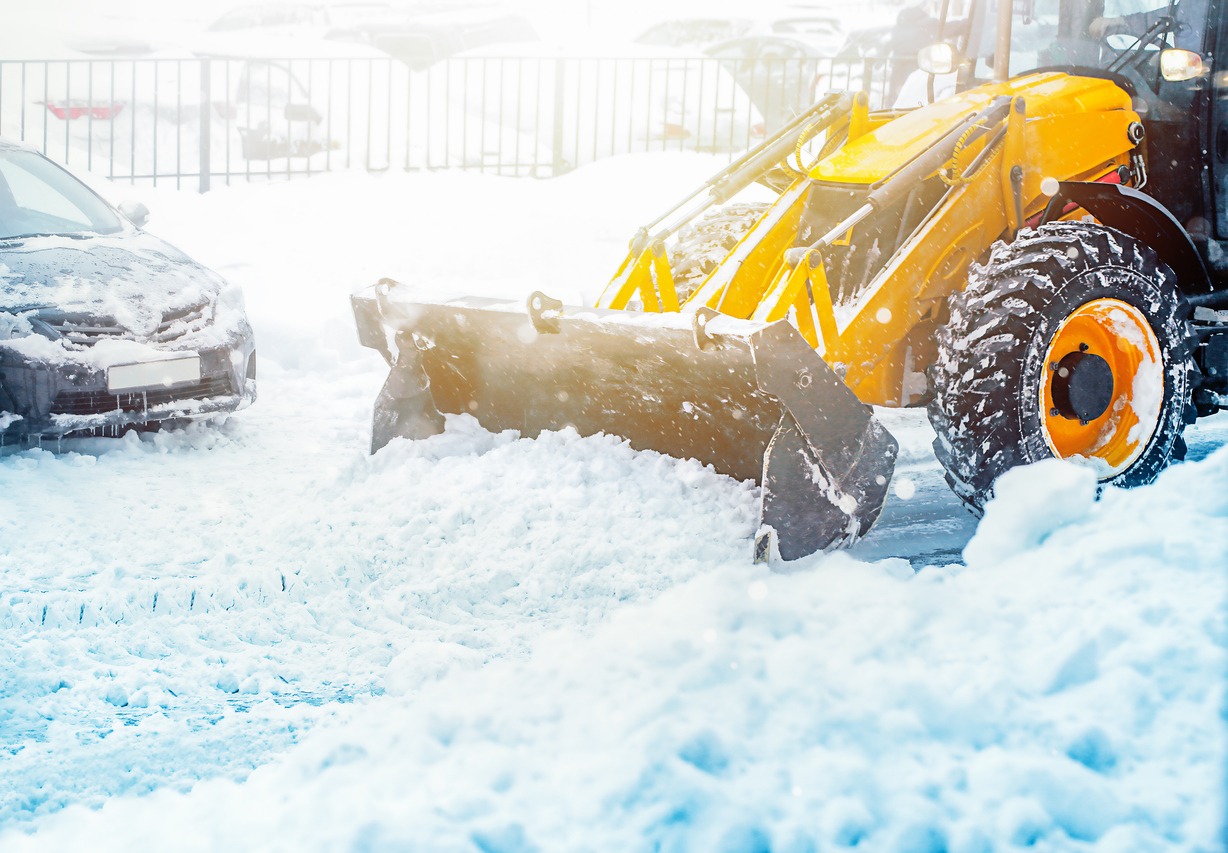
(38, 197)
(1086, 33)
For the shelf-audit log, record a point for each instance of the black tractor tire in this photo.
(1009, 324)
(705, 243)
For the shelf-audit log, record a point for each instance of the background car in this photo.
(418, 35)
(694, 32)
(586, 101)
(779, 73)
(344, 21)
(139, 118)
(104, 327)
(425, 38)
(702, 32)
(881, 57)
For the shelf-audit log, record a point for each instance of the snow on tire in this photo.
(1071, 342)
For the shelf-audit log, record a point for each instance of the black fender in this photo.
(1141, 216)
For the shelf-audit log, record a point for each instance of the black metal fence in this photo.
(198, 122)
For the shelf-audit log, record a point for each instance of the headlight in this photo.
(15, 326)
(230, 298)
(45, 320)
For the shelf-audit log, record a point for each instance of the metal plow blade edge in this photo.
(752, 400)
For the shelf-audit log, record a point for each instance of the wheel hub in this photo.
(1103, 385)
(1082, 386)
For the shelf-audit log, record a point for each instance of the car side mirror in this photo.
(1177, 65)
(939, 58)
(302, 112)
(135, 212)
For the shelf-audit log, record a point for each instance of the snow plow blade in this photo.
(751, 399)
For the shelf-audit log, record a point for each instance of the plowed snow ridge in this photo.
(256, 636)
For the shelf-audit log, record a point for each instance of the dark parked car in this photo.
(104, 327)
(778, 72)
(419, 34)
(424, 39)
(694, 32)
(707, 31)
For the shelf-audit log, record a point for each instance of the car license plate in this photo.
(153, 374)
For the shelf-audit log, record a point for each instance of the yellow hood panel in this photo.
(875, 155)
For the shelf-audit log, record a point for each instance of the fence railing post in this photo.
(206, 134)
(867, 75)
(558, 164)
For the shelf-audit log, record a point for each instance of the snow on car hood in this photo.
(133, 278)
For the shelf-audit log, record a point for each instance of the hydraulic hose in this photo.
(895, 186)
(902, 181)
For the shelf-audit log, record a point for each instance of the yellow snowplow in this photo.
(990, 255)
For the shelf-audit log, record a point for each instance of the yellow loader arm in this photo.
(992, 153)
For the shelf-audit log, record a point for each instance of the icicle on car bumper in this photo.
(751, 399)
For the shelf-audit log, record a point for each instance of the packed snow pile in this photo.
(256, 636)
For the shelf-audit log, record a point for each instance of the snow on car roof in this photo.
(578, 49)
(254, 44)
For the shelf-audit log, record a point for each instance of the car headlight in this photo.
(15, 326)
(230, 299)
(27, 322)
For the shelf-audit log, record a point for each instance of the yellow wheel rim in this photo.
(1103, 386)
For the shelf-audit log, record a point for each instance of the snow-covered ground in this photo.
(256, 636)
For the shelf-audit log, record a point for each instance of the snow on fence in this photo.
(197, 122)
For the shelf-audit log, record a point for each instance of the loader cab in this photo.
(1132, 42)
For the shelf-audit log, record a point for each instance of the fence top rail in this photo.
(198, 119)
(485, 58)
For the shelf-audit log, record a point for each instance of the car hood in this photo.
(134, 278)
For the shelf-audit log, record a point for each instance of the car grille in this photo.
(86, 331)
(176, 324)
(100, 402)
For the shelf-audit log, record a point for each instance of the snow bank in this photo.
(1048, 695)
(1033, 502)
(256, 636)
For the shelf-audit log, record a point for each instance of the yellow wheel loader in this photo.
(1039, 257)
